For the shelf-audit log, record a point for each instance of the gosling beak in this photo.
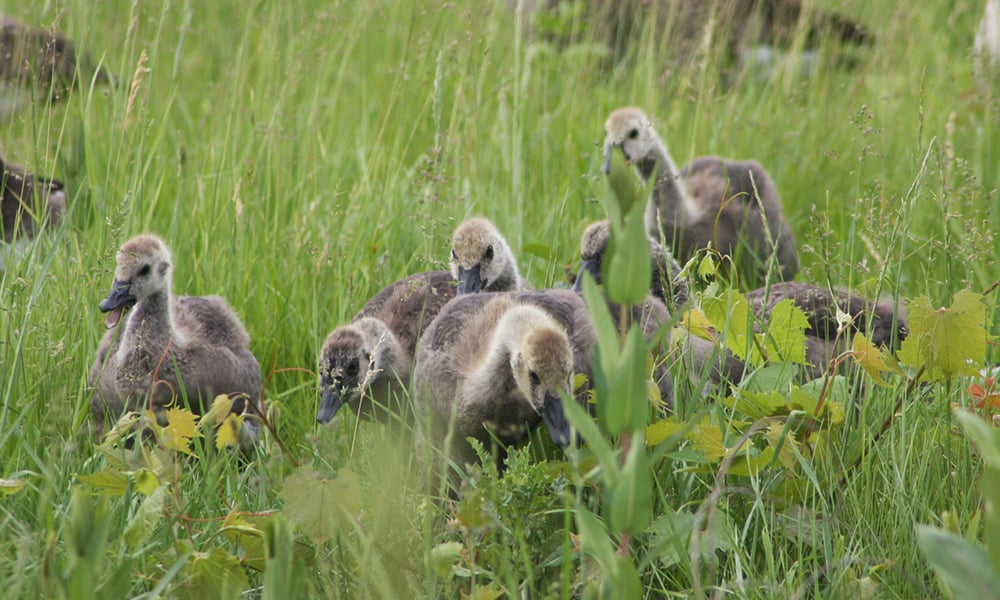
(555, 420)
(589, 265)
(118, 301)
(609, 148)
(330, 402)
(469, 281)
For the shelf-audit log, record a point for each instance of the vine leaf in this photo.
(946, 341)
(870, 358)
(321, 507)
(182, 427)
(785, 339)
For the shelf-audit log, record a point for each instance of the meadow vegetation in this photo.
(298, 156)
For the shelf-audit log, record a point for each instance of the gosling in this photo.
(493, 365)
(481, 259)
(887, 325)
(732, 205)
(372, 357)
(28, 201)
(170, 350)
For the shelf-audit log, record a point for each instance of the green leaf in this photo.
(213, 574)
(623, 581)
(627, 264)
(630, 497)
(730, 313)
(444, 556)
(11, 486)
(594, 539)
(106, 483)
(870, 358)
(591, 434)
(244, 533)
(964, 566)
(321, 508)
(626, 190)
(785, 339)
(144, 522)
(622, 398)
(283, 574)
(146, 482)
(662, 430)
(604, 325)
(947, 341)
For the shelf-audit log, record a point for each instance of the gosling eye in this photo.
(633, 133)
(144, 271)
(453, 255)
(535, 380)
(489, 252)
(352, 368)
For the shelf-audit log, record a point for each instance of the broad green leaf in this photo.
(591, 434)
(964, 566)
(146, 482)
(870, 358)
(622, 397)
(782, 440)
(145, 519)
(832, 413)
(758, 405)
(948, 341)
(785, 339)
(708, 440)
(694, 322)
(749, 465)
(707, 267)
(182, 427)
(106, 483)
(661, 430)
(213, 574)
(228, 434)
(283, 574)
(244, 532)
(221, 407)
(11, 486)
(594, 539)
(320, 507)
(730, 314)
(626, 191)
(622, 581)
(604, 325)
(630, 497)
(627, 265)
(444, 556)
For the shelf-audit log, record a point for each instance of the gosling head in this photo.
(144, 268)
(481, 260)
(351, 357)
(543, 369)
(632, 131)
(593, 245)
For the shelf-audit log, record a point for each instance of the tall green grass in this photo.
(299, 156)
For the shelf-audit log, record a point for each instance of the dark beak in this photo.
(608, 149)
(330, 402)
(589, 265)
(555, 420)
(469, 281)
(118, 296)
